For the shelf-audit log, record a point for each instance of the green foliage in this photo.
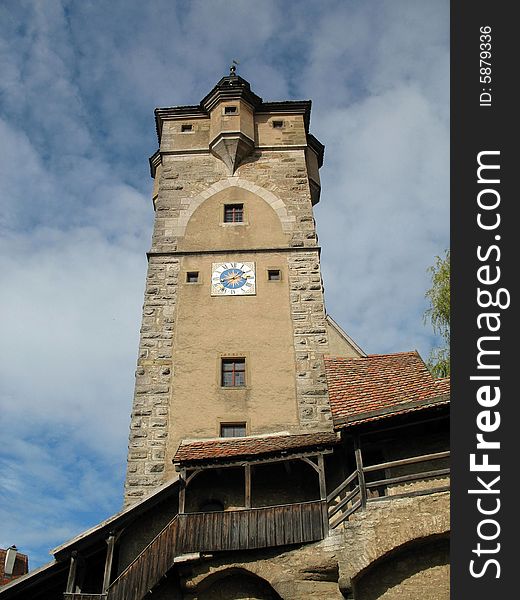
(438, 314)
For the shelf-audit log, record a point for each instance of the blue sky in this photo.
(80, 80)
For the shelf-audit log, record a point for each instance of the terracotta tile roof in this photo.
(381, 385)
(235, 448)
(443, 385)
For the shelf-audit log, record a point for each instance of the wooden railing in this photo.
(354, 493)
(146, 570)
(227, 530)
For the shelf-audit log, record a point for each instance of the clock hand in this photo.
(235, 277)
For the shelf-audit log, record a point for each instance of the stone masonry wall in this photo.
(310, 339)
(150, 418)
(184, 178)
(295, 573)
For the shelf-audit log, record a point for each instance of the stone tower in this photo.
(234, 329)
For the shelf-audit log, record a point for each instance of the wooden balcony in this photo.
(227, 530)
(252, 528)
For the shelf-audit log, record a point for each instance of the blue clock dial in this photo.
(232, 279)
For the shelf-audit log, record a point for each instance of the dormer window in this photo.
(230, 110)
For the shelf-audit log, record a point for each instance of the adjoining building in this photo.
(269, 456)
(13, 564)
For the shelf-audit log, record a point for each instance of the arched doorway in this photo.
(236, 584)
(418, 570)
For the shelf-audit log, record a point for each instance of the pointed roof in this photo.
(231, 87)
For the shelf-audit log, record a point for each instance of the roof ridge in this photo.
(405, 352)
(258, 436)
(381, 355)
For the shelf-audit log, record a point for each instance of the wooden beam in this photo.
(361, 474)
(345, 515)
(111, 540)
(342, 486)
(411, 477)
(412, 494)
(321, 474)
(192, 475)
(71, 581)
(323, 494)
(334, 509)
(311, 463)
(395, 410)
(408, 424)
(407, 461)
(182, 491)
(247, 496)
(252, 461)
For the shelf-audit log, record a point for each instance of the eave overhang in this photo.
(343, 423)
(207, 453)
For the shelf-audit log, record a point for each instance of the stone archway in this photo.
(417, 570)
(381, 532)
(235, 584)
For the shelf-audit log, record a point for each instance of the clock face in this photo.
(233, 279)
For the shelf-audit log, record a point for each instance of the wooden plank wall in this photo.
(252, 528)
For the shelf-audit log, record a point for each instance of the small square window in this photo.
(186, 127)
(232, 430)
(230, 110)
(278, 124)
(233, 372)
(274, 275)
(192, 277)
(233, 213)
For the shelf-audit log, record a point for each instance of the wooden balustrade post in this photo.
(360, 472)
(182, 491)
(71, 581)
(247, 496)
(323, 494)
(108, 561)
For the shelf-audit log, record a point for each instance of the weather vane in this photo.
(233, 68)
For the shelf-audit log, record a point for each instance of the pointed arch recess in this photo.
(276, 203)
